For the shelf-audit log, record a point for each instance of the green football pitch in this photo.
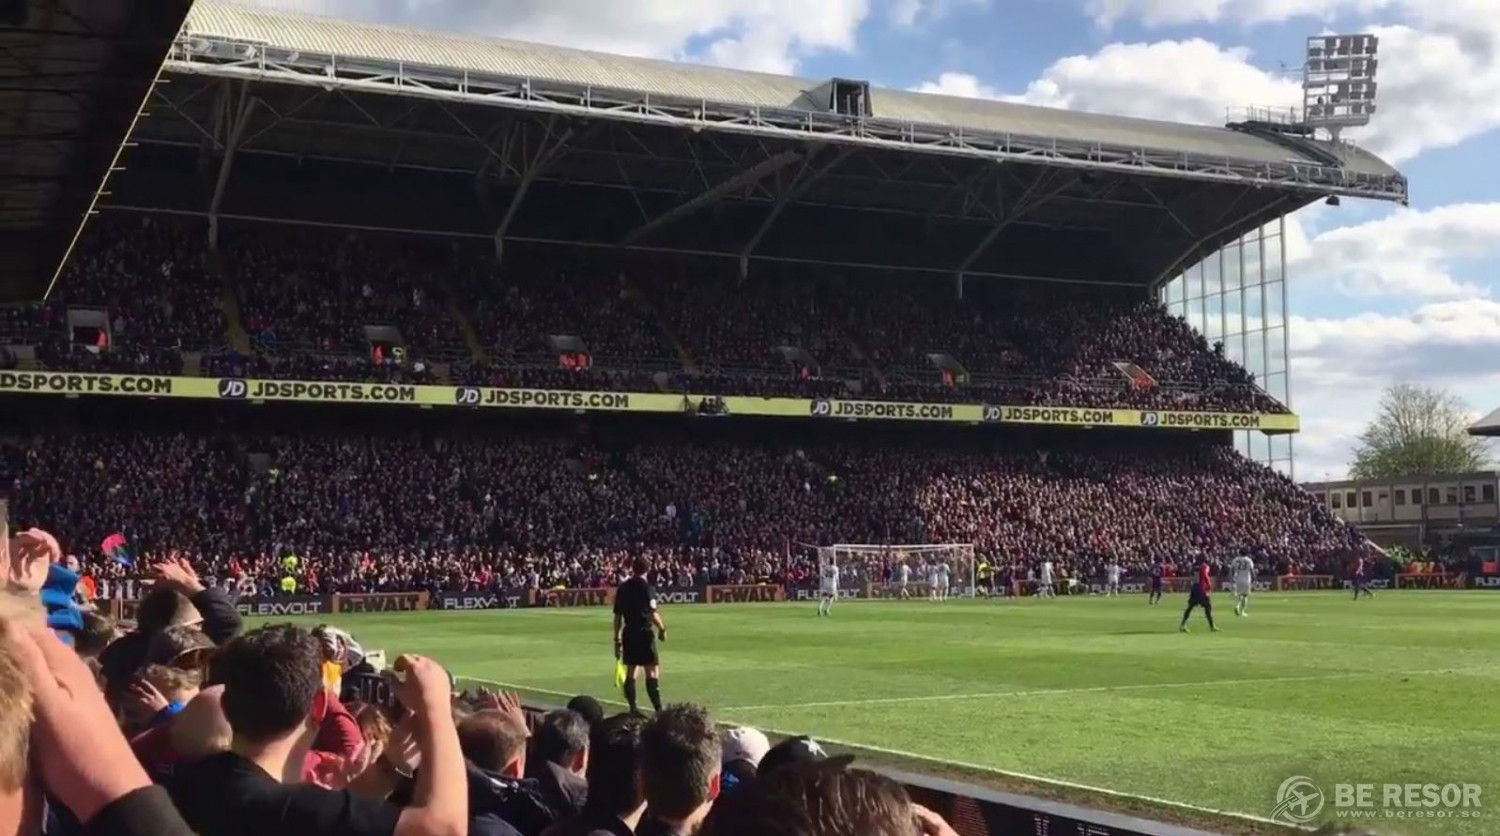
(1102, 696)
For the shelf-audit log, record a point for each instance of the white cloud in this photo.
(907, 13)
(1177, 12)
(1183, 81)
(768, 35)
(959, 84)
(1339, 366)
(1440, 59)
(1410, 253)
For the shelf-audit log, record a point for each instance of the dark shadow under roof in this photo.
(73, 74)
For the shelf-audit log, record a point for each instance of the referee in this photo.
(638, 626)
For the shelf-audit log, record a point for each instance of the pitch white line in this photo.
(531, 689)
(1042, 779)
(1034, 692)
(898, 753)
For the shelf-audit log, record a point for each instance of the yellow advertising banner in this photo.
(308, 391)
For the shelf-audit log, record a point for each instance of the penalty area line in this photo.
(1093, 689)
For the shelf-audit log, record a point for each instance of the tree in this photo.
(1418, 431)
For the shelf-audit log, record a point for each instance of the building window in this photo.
(1365, 498)
(1432, 496)
(1350, 500)
(1338, 501)
(1416, 496)
(1489, 493)
(1400, 497)
(1451, 497)
(1469, 494)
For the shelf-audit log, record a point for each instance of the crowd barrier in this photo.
(124, 608)
(476, 397)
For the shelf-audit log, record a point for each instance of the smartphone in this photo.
(371, 688)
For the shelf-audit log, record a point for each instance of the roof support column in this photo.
(1034, 196)
(804, 178)
(549, 149)
(239, 119)
(750, 175)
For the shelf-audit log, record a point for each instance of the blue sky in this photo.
(1379, 293)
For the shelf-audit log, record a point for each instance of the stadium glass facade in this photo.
(1237, 296)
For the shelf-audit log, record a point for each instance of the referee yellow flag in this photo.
(619, 674)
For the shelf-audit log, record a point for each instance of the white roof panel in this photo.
(502, 57)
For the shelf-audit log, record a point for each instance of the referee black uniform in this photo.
(635, 602)
(636, 618)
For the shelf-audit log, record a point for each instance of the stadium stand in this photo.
(322, 200)
(322, 304)
(369, 509)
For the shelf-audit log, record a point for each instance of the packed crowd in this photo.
(364, 511)
(186, 724)
(330, 304)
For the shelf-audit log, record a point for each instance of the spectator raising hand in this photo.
(85, 762)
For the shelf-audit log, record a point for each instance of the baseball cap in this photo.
(176, 644)
(794, 750)
(742, 743)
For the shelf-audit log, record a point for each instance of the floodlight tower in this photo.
(1338, 82)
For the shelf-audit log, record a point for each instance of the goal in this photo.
(875, 570)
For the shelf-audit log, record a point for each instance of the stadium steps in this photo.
(229, 303)
(466, 330)
(642, 298)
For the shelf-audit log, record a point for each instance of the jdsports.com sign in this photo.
(241, 389)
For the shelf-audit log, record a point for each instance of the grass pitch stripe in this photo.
(1041, 779)
(898, 753)
(1039, 692)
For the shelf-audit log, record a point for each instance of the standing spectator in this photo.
(679, 770)
(273, 700)
(49, 700)
(824, 798)
(615, 798)
(179, 598)
(560, 750)
(501, 802)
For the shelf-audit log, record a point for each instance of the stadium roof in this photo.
(73, 75)
(1488, 425)
(518, 59)
(544, 144)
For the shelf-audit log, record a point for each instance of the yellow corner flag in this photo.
(619, 674)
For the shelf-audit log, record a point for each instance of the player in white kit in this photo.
(1112, 578)
(829, 590)
(943, 573)
(1242, 569)
(1044, 583)
(905, 578)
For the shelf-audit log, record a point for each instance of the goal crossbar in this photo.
(877, 565)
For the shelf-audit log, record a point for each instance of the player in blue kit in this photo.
(1157, 571)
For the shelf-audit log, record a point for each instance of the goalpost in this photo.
(877, 568)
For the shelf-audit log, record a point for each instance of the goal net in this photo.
(879, 571)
